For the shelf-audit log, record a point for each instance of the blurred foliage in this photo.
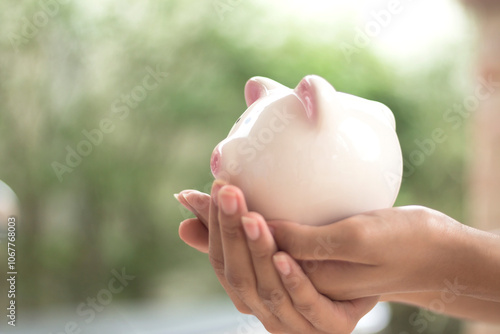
(116, 209)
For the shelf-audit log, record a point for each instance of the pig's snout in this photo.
(215, 161)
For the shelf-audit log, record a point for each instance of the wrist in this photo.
(478, 264)
(444, 251)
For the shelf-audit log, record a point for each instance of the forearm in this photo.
(459, 306)
(477, 268)
(460, 301)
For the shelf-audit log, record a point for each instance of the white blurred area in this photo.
(9, 204)
(207, 317)
(415, 32)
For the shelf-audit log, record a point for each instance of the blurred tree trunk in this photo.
(484, 190)
(484, 187)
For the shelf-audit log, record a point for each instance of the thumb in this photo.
(336, 241)
(194, 233)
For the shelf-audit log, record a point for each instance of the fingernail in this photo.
(182, 199)
(215, 190)
(228, 203)
(251, 228)
(193, 199)
(281, 263)
(183, 193)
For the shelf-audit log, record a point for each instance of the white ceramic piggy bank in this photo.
(311, 154)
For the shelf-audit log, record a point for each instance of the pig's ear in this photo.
(257, 87)
(316, 94)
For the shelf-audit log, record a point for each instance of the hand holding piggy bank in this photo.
(310, 154)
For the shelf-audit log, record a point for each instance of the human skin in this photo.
(284, 300)
(394, 253)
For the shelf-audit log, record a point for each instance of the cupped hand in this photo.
(258, 279)
(396, 250)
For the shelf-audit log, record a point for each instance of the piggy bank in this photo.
(310, 154)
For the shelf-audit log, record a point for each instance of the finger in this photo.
(269, 286)
(196, 202)
(231, 207)
(216, 253)
(320, 311)
(194, 233)
(237, 261)
(307, 301)
(262, 247)
(358, 308)
(215, 242)
(344, 240)
(181, 198)
(341, 280)
(200, 202)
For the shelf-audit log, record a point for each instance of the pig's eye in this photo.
(237, 121)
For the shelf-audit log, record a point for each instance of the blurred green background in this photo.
(114, 209)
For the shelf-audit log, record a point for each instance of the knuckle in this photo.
(307, 309)
(306, 306)
(260, 254)
(273, 298)
(356, 232)
(294, 282)
(264, 293)
(231, 232)
(217, 264)
(240, 284)
(275, 303)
